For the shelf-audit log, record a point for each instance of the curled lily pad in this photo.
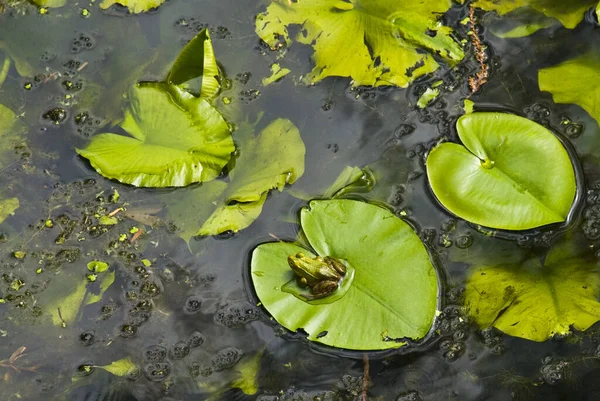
(509, 173)
(197, 62)
(375, 42)
(393, 296)
(176, 139)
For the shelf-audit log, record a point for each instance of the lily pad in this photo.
(510, 173)
(134, 6)
(176, 139)
(375, 42)
(575, 81)
(535, 300)
(392, 298)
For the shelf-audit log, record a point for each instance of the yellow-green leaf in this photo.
(122, 367)
(375, 42)
(533, 300)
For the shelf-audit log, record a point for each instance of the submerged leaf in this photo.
(135, 6)
(176, 139)
(575, 81)
(395, 287)
(8, 207)
(535, 301)
(269, 161)
(569, 13)
(197, 60)
(509, 173)
(375, 42)
(66, 309)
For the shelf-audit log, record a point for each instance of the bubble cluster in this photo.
(409, 396)
(553, 372)
(195, 340)
(236, 315)
(226, 358)
(492, 339)
(193, 25)
(249, 95)
(155, 353)
(56, 114)
(157, 371)
(82, 42)
(192, 304)
(591, 213)
(243, 77)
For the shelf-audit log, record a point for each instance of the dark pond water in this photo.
(200, 294)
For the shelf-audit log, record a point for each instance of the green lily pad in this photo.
(533, 300)
(569, 13)
(134, 6)
(575, 81)
(393, 296)
(176, 139)
(510, 173)
(375, 42)
(197, 62)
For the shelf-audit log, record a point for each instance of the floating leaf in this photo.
(575, 81)
(197, 60)
(122, 367)
(429, 95)
(276, 74)
(97, 266)
(176, 139)
(8, 207)
(135, 6)
(375, 42)
(510, 174)
(569, 13)
(270, 161)
(395, 288)
(533, 300)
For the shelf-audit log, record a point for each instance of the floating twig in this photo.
(480, 78)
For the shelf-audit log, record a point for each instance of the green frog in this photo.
(321, 274)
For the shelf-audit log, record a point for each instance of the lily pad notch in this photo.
(509, 173)
(392, 297)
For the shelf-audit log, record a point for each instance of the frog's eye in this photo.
(299, 255)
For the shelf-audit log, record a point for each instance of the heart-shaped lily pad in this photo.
(394, 291)
(510, 173)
